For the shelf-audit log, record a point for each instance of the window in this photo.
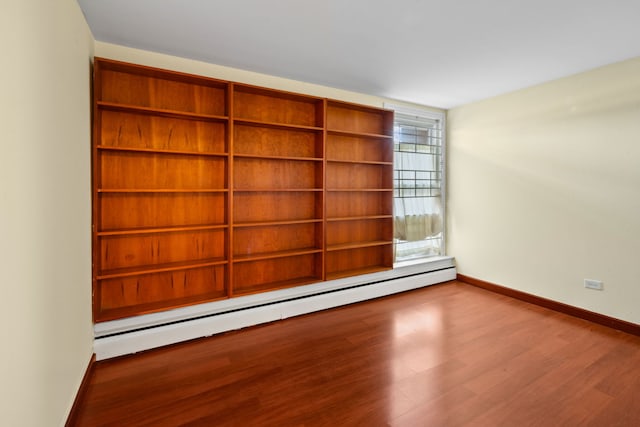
(418, 184)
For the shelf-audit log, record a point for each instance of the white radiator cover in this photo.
(135, 334)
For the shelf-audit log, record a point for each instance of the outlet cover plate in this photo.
(593, 284)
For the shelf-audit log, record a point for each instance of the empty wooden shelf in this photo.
(160, 190)
(206, 189)
(359, 181)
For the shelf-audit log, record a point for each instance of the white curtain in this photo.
(416, 218)
(417, 205)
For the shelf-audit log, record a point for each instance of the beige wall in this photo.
(543, 192)
(152, 59)
(45, 246)
(544, 189)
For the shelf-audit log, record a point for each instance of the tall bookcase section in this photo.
(278, 182)
(359, 190)
(160, 190)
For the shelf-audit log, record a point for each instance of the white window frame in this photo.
(441, 117)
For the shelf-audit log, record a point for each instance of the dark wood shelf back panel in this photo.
(205, 189)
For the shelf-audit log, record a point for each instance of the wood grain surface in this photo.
(446, 355)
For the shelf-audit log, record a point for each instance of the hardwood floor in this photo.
(446, 355)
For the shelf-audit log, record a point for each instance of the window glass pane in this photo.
(418, 204)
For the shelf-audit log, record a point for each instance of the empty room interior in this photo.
(298, 213)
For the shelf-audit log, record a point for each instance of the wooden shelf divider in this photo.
(159, 112)
(299, 159)
(157, 230)
(356, 245)
(136, 271)
(277, 125)
(357, 133)
(279, 254)
(151, 150)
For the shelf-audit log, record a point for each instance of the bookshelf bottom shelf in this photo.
(273, 286)
(355, 272)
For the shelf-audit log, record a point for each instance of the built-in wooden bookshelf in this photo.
(359, 185)
(160, 190)
(277, 189)
(205, 189)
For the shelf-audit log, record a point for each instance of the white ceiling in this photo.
(441, 53)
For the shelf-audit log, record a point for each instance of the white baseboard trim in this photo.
(141, 333)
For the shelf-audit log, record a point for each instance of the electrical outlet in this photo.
(593, 284)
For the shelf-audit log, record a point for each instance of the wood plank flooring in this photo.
(446, 355)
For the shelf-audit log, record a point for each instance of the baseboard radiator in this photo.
(140, 333)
